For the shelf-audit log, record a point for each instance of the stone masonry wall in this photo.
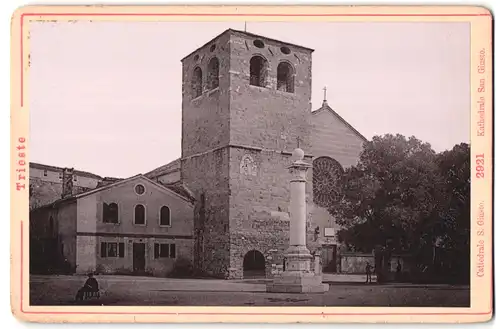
(265, 124)
(207, 177)
(205, 119)
(259, 206)
(266, 117)
(236, 146)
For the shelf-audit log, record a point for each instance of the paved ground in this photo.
(344, 291)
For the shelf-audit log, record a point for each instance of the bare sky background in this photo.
(105, 97)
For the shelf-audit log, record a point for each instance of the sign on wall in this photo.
(329, 231)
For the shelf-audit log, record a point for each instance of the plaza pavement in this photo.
(345, 290)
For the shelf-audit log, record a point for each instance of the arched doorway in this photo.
(254, 264)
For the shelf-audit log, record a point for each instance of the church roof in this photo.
(165, 169)
(181, 189)
(235, 32)
(108, 180)
(178, 186)
(326, 107)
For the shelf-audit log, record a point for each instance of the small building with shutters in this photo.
(131, 226)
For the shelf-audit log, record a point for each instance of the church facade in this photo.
(246, 105)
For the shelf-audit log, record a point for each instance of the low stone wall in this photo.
(355, 263)
(350, 263)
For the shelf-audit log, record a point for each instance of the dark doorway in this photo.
(329, 256)
(139, 260)
(254, 265)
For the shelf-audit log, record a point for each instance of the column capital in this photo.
(299, 169)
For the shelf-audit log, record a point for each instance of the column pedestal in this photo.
(298, 277)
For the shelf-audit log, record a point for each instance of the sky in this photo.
(105, 97)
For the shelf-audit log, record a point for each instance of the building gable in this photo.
(332, 136)
(130, 183)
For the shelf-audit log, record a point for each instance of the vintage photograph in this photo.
(257, 163)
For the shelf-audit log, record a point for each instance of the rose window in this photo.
(326, 176)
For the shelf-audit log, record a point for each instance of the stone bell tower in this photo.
(246, 100)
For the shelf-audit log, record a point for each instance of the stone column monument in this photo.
(298, 276)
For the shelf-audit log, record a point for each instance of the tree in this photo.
(454, 167)
(403, 197)
(453, 229)
(388, 198)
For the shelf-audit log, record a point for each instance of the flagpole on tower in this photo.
(245, 26)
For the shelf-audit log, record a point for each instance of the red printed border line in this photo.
(218, 15)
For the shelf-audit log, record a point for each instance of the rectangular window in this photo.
(164, 250)
(45, 172)
(110, 213)
(112, 249)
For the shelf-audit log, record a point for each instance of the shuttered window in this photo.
(164, 250)
(112, 249)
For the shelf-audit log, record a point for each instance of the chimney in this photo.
(67, 183)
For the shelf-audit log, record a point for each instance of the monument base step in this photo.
(297, 288)
(297, 284)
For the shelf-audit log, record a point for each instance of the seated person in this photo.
(90, 288)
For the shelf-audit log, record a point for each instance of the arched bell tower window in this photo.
(285, 77)
(213, 74)
(197, 82)
(258, 71)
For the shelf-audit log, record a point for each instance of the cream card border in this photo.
(480, 21)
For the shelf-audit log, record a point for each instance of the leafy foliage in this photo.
(454, 228)
(404, 197)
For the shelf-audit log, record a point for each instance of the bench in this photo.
(91, 295)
